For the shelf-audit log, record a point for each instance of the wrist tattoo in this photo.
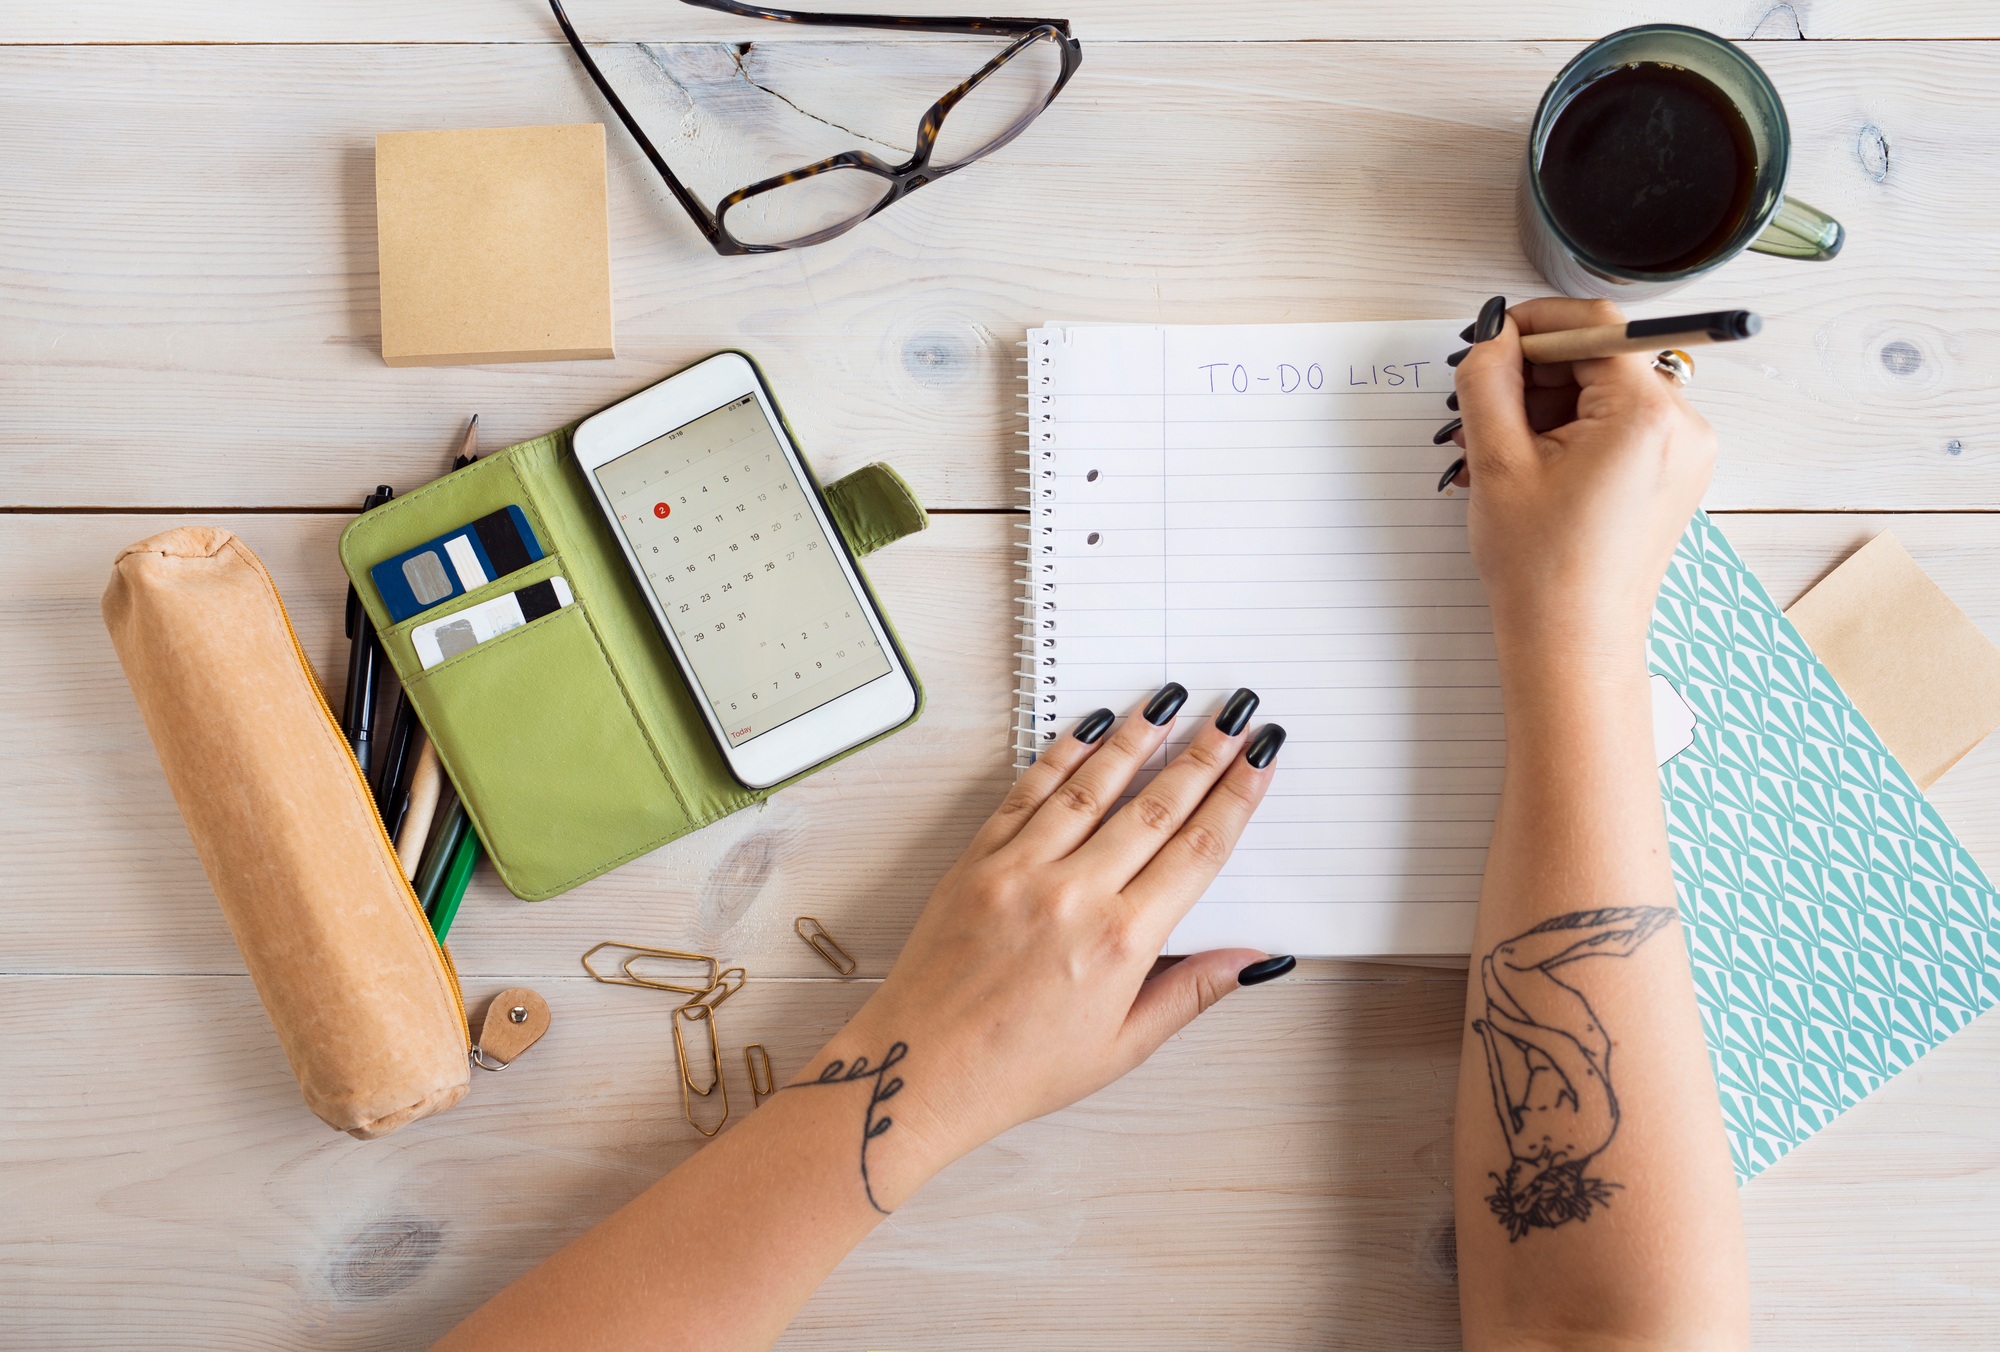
(884, 1089)
(1548, 1059)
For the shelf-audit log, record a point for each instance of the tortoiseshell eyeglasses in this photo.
(810, 205)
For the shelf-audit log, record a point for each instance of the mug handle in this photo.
(1800, 231)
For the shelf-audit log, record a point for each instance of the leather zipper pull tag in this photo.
(514, 1022)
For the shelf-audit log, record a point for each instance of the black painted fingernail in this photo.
(1451, 401)
(1270, 969)
(1237, 712)
(1451, 474)
(1443, 434)
(1457, 357)
(1264, 746)
(1095, 726)
(1492, 319)
(1166, 704)
(1465, 334)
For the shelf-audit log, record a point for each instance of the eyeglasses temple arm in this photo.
(907, 24)
(704, 219)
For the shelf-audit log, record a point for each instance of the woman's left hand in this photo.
(1025, 985)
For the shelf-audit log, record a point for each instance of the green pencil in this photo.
(448, 829)
(456, 880)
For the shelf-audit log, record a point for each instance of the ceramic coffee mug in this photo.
(1600, 251)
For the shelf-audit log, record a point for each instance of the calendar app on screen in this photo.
(752, 587)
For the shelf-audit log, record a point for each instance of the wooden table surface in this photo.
(188, 333)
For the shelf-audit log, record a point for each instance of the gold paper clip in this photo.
(824, 944)
(761, 1087)
(716, 985)
(696, 1012)
(623, 975)
(723, 988)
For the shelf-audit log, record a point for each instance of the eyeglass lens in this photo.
(999, 106)
(822, 205)
(808, 209)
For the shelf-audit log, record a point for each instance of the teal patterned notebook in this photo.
(1838, 930)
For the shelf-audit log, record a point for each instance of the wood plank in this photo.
(188, 312)
(1280, 1171)
(239, 21)
(181, 1195)
(1878, 1232)
(85, 813)
(88, 826)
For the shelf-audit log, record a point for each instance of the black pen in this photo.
(392, 785)
(1611, 340)
(364, 656)
(1640, 335)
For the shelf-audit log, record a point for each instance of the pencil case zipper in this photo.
(375, 815)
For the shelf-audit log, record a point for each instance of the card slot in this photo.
(549, 565)
(552, 761)
(423, 514)
(396, 640)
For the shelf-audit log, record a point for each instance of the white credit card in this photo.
(441, 640)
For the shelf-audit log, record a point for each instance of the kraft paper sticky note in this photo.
(1921, 672)
(495, 245)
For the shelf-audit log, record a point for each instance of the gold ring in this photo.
(1675, 365)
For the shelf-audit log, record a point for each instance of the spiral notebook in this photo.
(1257, 506)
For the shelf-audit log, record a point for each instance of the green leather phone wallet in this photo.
(573, 740)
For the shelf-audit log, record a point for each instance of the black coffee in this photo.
(1648, 167)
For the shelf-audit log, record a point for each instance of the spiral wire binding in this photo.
(1036, 673)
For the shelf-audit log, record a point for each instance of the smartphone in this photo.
(752, 584)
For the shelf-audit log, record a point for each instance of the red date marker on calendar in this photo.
(662, 511)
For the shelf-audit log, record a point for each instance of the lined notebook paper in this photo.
(1257, 505)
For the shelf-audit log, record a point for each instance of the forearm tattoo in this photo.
(1549, 1061)
(884, 1089)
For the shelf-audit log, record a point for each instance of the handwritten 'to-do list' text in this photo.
(1222, 377)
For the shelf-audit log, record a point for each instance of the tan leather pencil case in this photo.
(363, 998)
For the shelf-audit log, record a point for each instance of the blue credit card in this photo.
(455, 563)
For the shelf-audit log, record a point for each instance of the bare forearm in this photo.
(718, 1255)
(1594, 1193)
(1580, 819)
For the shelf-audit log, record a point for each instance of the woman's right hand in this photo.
(1583, 477)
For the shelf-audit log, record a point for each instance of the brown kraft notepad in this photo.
(495, 245)
(1919, 670)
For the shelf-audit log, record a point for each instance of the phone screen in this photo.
(750, 584)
